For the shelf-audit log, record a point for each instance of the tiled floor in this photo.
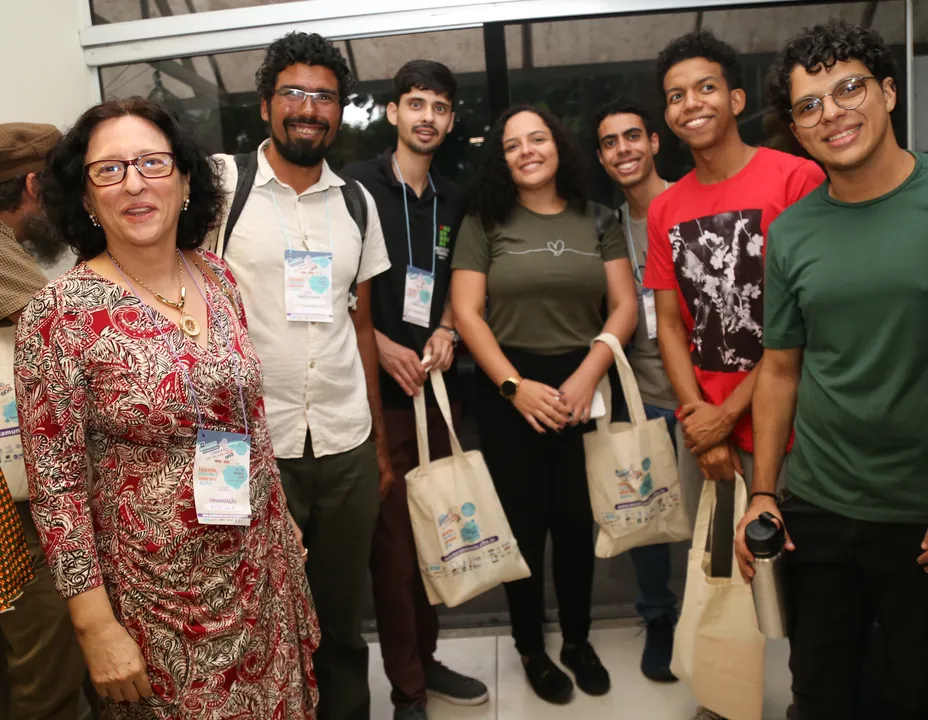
(495, 661)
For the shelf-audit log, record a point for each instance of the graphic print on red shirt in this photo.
(708, 243)
(720, 269)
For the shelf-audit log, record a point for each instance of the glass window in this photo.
(576, 65)
(110, 11)
(216, 94)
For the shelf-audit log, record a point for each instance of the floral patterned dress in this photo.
(223, 614)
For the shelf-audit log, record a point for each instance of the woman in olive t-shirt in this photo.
(531, 247)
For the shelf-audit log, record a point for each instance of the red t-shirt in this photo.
(708, 243)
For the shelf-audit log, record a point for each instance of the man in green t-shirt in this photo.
(846, 355)
(626, 146)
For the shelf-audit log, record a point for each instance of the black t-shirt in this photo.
(388, 288)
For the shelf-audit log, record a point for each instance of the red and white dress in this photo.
(223, 614)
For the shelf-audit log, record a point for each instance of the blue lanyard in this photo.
(406, 210)
(167, 340)
(631, 242)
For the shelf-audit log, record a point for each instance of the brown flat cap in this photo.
(23, 147)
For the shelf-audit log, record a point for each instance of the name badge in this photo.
(650, 312)
(417, 303)
(11, 445)
(308, 286)
(221, 483)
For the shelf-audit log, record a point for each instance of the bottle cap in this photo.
(765, 536)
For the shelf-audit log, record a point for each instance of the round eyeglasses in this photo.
(849, 94)
(112, 172)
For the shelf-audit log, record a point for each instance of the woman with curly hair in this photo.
(151, 472)
(544, 259)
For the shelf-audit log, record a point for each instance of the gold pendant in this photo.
(189, 325)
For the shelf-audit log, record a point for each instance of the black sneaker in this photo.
(549, 682)
(414, 712)
(589, 672)
(658, 650)
(452, 687)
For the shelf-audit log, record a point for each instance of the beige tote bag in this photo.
(718, 650)
(632, 472)
(463, 540)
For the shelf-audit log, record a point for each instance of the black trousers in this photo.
(844, 574)
(541, 482)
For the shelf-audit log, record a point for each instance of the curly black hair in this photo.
(62, 185)
(621, 106)
(701, 44)
(493, 195)
(820, 47)
(299, 48)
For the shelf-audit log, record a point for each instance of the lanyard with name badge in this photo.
(647, 295)
(307, 276)
(222, 462)
(420, 284)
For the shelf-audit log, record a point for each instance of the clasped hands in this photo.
(706, 430)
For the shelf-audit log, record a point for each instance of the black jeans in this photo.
(541, 482)
(842, 575)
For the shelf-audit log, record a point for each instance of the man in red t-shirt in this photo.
(707, 239)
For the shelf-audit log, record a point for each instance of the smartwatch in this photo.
(509, 387)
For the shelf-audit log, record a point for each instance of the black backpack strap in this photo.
(602, 213)
(600, 222)
(247, 164)
(356, 203)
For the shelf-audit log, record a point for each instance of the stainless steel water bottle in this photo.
(765, 539)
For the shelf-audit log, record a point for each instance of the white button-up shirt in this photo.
(313, 376)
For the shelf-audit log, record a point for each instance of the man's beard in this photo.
(302, 152)
(41, 239)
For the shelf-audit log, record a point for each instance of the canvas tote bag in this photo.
(632, 472)
(718, 650)
(463, 540)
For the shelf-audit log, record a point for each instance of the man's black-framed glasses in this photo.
(849, 94)
(112, 172)
(296, 97)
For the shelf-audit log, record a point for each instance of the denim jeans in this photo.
(652, 562)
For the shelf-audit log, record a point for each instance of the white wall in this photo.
(42, 71)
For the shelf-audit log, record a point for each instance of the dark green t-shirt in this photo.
(849, 284)
(545, 276)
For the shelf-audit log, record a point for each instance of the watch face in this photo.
(508, 389)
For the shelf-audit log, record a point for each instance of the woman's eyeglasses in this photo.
(112, 172)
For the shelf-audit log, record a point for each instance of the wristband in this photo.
(765, 494)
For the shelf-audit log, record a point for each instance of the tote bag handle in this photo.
(629, 385)
(422, 426)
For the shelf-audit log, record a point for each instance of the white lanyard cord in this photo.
(283, 228)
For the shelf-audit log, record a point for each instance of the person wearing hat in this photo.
(45, 667)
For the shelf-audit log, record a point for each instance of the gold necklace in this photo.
(188, 324)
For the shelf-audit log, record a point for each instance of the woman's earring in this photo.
(186, 204)
(93, 220)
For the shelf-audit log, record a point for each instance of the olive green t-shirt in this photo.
(545, 276)
(849, 284)
(645, 356)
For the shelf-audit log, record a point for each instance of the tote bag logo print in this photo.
(639, 480)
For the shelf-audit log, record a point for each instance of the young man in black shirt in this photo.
(420, 213)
